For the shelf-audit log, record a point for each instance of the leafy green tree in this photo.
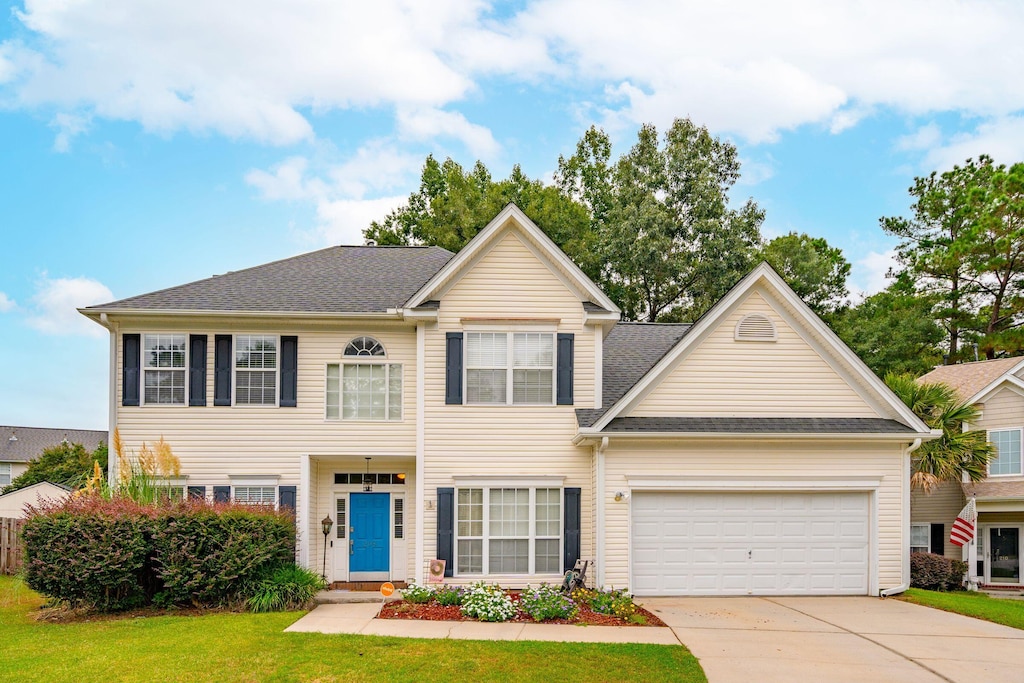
(816, 271)
(893, 331)
(958, 453)
(69, 464)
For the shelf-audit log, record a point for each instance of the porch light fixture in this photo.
(619, 495)
(367, 483)
(401, 476)
(326, 523)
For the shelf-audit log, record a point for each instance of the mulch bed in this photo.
(434, 612)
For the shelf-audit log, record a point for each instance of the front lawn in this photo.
(253, 647)
(999, 610)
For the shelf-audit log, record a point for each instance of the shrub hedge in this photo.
(117, 554)
(936, 572)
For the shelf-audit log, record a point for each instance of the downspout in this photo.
(600, 494)
(906, 522)
(111, 400)
(420, 441)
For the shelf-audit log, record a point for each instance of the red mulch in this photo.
(434, 612)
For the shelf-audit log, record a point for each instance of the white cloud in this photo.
(923, 138)
(1001, 138)
(68, 126)
(55, 303)
(868, 275)
(430, 123)
(342, 221)
(6, 304)
(756, 171)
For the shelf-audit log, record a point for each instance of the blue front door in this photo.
(370, 540)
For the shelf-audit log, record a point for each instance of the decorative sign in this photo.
(436, 573)
(386, 589)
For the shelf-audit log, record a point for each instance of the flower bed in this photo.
(488, 602)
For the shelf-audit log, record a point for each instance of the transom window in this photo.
(508, 531)
(920, 538)
(263, 495)
(1007, 443)
(164, 369)
(256, 369)
(510, 367)
(363, 387)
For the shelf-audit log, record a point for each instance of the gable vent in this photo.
(756, 327)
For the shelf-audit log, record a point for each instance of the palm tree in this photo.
(958, 453)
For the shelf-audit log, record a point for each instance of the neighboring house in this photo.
(13, 504)
(18, 445)
(997, 388)
(489, 409)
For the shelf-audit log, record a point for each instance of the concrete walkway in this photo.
(360, 618)
(840, 639)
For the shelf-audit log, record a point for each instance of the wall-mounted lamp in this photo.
(620, 496)
(367, 483)
(326, 523)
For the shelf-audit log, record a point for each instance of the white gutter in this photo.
(93, 314)
(593, 436)
(902, 588)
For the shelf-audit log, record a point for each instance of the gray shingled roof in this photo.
(334, 280)
(30, 442)
(758, 425)
(630, 351)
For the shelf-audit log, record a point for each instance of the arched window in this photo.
(364, 346)
(364, 386)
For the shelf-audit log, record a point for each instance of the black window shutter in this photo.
(446, 528)
(130, 367)
(565, 374)
(222, 370)
(221, 494)
(197, 370)
(453, 370)
(197, 492)
(286, 497)
(572, 527)
(289, 371)
(939, 539)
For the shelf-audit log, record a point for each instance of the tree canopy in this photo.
(816, 271)
(69, 464)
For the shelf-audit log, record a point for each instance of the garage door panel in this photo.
(750, 544)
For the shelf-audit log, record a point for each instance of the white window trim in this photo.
(234, 371)
(928, 545)
(510, 368)
(486, 537)
(1020, 441)
(143, 369)
(366, 360)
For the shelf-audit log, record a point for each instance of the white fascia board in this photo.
(483, 239)
(393, 314)
(603, 318)
(739, 484)
(764, 272)
(1006, 378)
(427, 315)
(593, 436)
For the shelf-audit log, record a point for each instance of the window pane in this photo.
(486, 350)
(165, 386)
(471, 512)
(5, 473)
(547, 560)
(164, 351)
(364, 346)
(333, 391)
(394, 392)
(548, 513)
(509, 512)
(471, 557)
(485, 386)
(255, 494)
(364, 388)
(533, 350)
(509, 556)
(532, 386)
(1007, 444)
(920, 535)
(256, 387)
(255, 351)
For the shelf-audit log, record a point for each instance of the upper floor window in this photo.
(5, 473)
(255, 369)
(508, 368)
(364, 386)
(163, 362)
(1008, 451)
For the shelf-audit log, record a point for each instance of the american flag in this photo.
(963, 527)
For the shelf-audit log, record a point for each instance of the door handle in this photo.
(351, 547)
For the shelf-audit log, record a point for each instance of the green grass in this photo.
(253, 647)
(998, 610)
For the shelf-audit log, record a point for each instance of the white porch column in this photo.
(304, 502)
(971, 552)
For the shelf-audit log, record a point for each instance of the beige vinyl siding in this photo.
(13, 504)
(941, 506)
(17, 469)
(725, 377)
(659, 460)
(1003, 409)
(507, 283)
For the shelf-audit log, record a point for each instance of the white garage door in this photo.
(750, 543)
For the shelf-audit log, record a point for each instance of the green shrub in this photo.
(936, 572)
(287, 587)
(448, 595)
(547, 602)
(416, 594)
(89, 552)
(488, 603)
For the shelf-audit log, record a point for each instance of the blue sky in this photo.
(144, 145)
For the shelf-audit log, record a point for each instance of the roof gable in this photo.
(973, 381)
(798, 316)
(512, 218)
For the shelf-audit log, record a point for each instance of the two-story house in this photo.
(996, 387)
(489, 409)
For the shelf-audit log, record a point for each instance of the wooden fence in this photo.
(10, 545)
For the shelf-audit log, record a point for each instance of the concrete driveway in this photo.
(840, 639)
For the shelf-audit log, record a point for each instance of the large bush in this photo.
(936, 572)
(116, 554)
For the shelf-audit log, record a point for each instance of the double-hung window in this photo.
(364, 386)
(920, 538)
(510, 367)
(1007, 443)
(256, 369)
(163, 367)
(508, 531)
